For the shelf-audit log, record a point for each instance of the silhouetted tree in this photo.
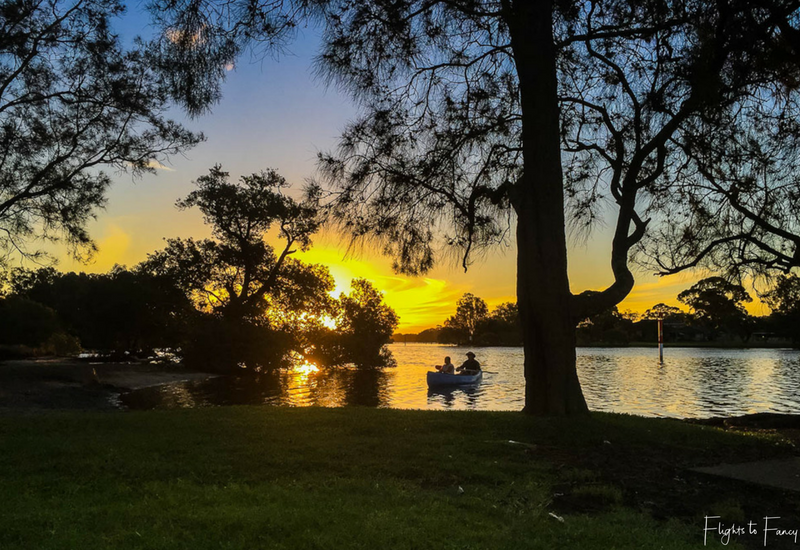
(717, 305)
(255, 299)
(236, 273)
(26, 322)
(735, 203)
(501, 327)
(663, 311)
(430, 335)
(112, 312)
(461, 117)
(38, 285)
(470, 311)
(226, 345)
(506, 312)
(675, 324)
(784, 301)
(609, 327)
(72, 101)
(784, 296)
(365, 325)
(734, 206)
(136, 312)
(474, 111)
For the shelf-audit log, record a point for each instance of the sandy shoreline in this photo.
(33, 385)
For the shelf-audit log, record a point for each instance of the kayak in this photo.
(442, 379)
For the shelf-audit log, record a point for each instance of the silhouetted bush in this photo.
(217, 344)
(26, 322)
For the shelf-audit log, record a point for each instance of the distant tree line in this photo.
(473, 323)
(716, 315)
(226, 303)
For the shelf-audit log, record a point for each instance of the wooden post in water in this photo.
(661, 339)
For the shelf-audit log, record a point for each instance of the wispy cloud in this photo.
(154, 164)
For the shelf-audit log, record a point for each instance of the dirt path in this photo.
(780, 473)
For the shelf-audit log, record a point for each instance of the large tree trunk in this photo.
(543, 293)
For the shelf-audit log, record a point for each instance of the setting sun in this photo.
(420, 302)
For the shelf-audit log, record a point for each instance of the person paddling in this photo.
(447, 368)
(470, 367)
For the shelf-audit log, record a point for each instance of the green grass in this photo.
(261, 477)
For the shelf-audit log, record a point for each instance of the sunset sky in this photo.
(276, 114)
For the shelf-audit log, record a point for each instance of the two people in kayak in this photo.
(470, 367)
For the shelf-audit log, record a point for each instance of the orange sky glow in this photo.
(421, 302)
(282, 122)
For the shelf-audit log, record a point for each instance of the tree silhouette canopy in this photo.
(237, 274)
(470, 312)
(784, 297)
(72, 101)
(784, 301)
(365, 325)
(718, 304)
(254, 303)
(663, 311)
(480, 118)
(115, 312)
(474, 324)
(733, 206)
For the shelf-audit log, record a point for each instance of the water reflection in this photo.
(297, 388)
(454, 398)
(692, 382)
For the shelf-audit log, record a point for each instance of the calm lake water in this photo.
(692, 382)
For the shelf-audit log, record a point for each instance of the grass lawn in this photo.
(263, 477)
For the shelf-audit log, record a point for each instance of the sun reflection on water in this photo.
(305, 369)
